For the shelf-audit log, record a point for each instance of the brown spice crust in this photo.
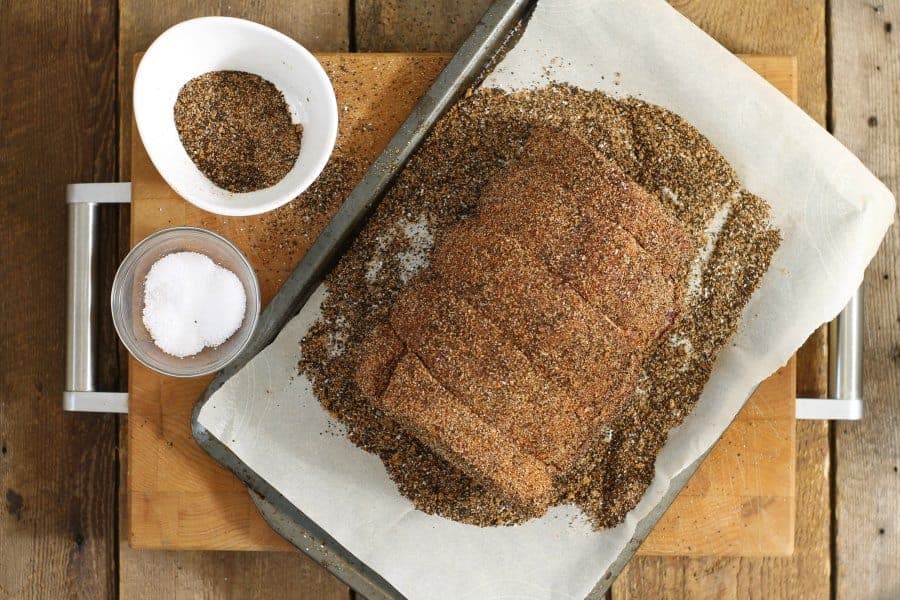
(380, 352)
(588, 189)
(470, 357)
(481, 365)
(237, 129)
(434, 416)
(562, 335)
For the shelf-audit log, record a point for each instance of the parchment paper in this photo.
(833, 214)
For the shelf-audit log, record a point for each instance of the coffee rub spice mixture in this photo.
(442, 184)
(237, 129)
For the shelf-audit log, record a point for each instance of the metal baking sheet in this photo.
(491, 33)
(850, 241)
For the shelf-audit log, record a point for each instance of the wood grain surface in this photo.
(57, 470)
(59, 59)
(741, 501)
(180, 499)
(865, 63)
(423, 26)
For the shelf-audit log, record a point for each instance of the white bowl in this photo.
(198, 46)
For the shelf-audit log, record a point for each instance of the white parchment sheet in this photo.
(833, 214)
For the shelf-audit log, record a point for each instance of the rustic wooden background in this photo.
(65, 81)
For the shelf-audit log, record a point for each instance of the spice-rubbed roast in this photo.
(443, 185)
(527, 331)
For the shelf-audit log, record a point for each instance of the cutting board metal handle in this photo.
(84, 200)
(845, 368)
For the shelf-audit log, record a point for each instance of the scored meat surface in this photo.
(562, 335)
(527, 331)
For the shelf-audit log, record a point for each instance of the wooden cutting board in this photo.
(740, 502)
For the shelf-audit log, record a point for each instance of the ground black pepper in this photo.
(442, 184)
(237, 129)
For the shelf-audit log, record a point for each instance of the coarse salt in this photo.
(191, 303)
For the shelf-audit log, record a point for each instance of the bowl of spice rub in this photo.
(238, 118)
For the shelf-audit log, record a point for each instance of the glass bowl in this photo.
(127, 300)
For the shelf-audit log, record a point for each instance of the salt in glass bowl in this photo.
(127, 301)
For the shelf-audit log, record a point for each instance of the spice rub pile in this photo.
(237, 129)
(450, 191)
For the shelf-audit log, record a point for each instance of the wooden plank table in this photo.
(866, 118)
(60, 113)
(57, 471)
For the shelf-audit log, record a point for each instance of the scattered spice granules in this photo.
(237, 129)
(442, 184)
